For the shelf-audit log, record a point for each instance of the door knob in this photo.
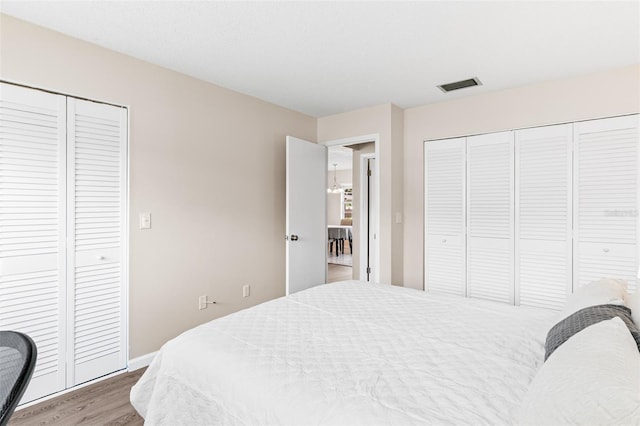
(294, 237)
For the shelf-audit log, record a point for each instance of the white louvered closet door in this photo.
(606, 199)
(490, 218)
(96, 250)
(32, 227)
(543, 215)
(445, 213)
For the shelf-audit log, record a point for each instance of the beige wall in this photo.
(604, 94)
(207, 162)
(386, 121)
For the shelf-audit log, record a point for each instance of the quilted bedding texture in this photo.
(349, 353)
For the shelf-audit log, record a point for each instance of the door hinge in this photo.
(368, 270)
(369, 172)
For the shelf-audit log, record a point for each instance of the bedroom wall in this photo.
(598, 95)
(207, 162)
(387, 121)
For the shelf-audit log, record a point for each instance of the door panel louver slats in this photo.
(63, 234)
(548, 209)
(32, 229)
(618, 262)
(445, 216)
(543, 215)
(97, 192)
(490, 223)
(606, 186)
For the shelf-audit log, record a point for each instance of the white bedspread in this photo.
(349, 353)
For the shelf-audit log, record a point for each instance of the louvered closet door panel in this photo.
(490, 218)
(32, 227)
(543, 215)
(606, 199)
(96, 222)
(445, 216)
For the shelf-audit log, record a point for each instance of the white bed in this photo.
(349, 353)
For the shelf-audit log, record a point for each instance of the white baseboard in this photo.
(141, 361)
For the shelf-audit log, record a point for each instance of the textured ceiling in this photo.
(322, 58)
(341, 156)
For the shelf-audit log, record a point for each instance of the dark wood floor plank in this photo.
(102, 403)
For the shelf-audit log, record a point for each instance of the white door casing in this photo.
(445, 216)
(370, 220)
(306, 217)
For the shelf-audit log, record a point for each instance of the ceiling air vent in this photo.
(460, 84)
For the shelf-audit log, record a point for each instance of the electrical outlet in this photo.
(202, 302)
(246, 290)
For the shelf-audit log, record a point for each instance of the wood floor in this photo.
(103, 403)
(339, 273)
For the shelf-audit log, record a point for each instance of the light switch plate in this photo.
(145, 220)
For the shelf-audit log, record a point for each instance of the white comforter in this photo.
(348, 353)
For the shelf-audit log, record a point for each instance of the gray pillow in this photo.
(578, 321)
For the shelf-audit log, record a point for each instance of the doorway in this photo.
(339, 213)
(352, 209)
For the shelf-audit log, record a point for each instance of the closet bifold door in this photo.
(96, 196)
(32, 228)
(445, 216)
(543, 159)
(490, 218)
(606, 200)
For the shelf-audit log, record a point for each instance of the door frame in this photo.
(366, 207)
(375, 138)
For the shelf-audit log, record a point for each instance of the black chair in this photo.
(17, 361)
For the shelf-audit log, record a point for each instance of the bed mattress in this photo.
(349, 353)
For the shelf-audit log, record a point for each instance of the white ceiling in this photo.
(341, 156)
(322, 58)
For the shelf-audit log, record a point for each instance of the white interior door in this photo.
(32, 228)
(445, 216)
(97, 165)
(490, 218)
(306, 218)
(606, 200)
(543, 215)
